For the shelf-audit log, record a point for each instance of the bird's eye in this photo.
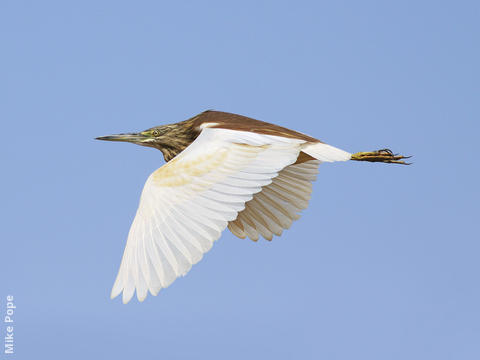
(156, 132)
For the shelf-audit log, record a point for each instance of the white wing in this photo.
(188, 202)
(278, 204)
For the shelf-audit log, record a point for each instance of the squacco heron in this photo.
(222, 170)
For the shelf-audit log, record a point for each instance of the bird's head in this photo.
(169, 139)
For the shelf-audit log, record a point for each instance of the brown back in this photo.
(226, 120)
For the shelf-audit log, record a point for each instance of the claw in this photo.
(387, 151)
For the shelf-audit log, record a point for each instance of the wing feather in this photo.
(278, 204)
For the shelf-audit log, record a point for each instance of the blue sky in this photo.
(382, 265)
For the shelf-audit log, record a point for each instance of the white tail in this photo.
(325, 152)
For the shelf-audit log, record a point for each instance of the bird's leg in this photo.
(384, 155)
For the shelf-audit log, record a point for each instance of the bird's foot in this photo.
(384, 155)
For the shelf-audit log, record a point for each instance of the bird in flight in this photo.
(222, 170)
